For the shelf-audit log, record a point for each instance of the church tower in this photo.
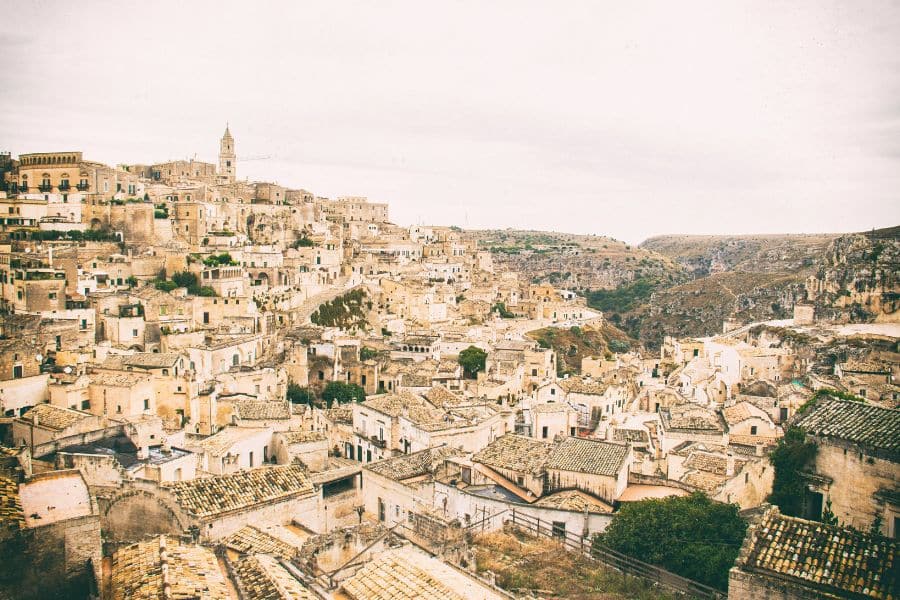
(227, 159)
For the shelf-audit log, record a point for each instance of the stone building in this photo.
(49, 537)
(785, 558)
(856, 463)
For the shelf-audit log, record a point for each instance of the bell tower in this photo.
(227, 159)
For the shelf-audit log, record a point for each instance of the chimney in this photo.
(729, 465)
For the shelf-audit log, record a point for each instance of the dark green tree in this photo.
(366, 353)
(342, 393)
(792, 454)
(473, 360)
(692, 536)
(298, 394)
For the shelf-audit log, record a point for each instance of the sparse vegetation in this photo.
(346, 312)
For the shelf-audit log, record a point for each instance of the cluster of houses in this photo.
(171, 338)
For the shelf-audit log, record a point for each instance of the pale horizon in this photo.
(695, 119)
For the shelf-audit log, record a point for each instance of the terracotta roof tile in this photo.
(588, 456)
(164, 568)
(872, 427)
(262, 577)
(833, 559)
(213, 495)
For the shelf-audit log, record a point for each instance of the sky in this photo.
(627, 119)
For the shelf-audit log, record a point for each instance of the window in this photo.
(85, 405)
(251, 458)
(544, 431)
(534, 372)
(165, 371)
(520, 481)
(696, 352)
(134, 332)
(146, 404)
(552, 391)
(559, 529)
(753, 430)
(380, 509)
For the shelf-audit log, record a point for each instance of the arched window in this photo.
(235, 360)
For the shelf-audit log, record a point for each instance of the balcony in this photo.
(378, 442)
(82, 187)
(45, 187)
(64, 186)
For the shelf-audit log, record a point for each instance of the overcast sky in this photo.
(618, 118)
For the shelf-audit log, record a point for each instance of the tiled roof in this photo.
(262, 410)
(574, 500)
(250, 540)
(262, 577)
(339, 414)
(221, 442)
(302, 437)
(391, 577)
(412, 465)
(12, 518)
(743, 411)
(872, 427)
(164, 568)
(213, 495)
(55, 417)
(702, 480)
(442, 397)
(151, 360)
(712, 463)
(690, 417)
(588, 456)
(124, 379)
(831, 559)
(577, 385)
(631, 435)
(515, 453)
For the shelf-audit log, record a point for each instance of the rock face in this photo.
(857, 279)
(701, 307)
(850, 278)
(704, 255)
(576, 262)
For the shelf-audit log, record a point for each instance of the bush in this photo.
(299, 395)
(165, 286)
(692, 536)
(342, 393)
(366, 353)
(619, 346)
(789, 458)
(473, 360)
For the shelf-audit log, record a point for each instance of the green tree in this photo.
(298, 394)
(473, 360)
(184, 279)
(342, 393)
(366, 353)
(692, 536)
(792, 454)
(131, 280)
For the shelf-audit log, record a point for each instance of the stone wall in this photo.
(752, 586)
(855, 480)
(60, 560)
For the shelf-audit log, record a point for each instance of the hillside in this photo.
(575, 343)
(700, 307)
(708, 254)
(576, 262)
